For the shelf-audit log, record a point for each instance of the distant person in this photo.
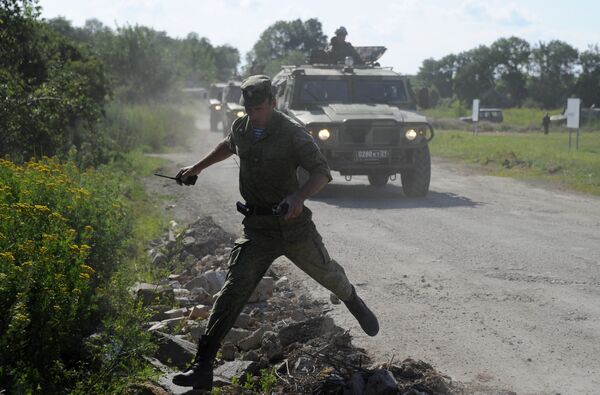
(546, 123)
(339, 48)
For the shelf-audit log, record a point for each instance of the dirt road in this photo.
(494, 281)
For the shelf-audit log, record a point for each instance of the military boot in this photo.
(365, 317)
(200, 374)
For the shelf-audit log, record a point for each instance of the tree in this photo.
(137, 58)
(227, 59)
(439, 74)
(588, 82)
(553, 66)
(511, 57)
(283, 38)
(53, 89)
(194, 60)
(475, 75)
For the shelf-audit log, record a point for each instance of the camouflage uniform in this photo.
(268, 175)
(268, 162)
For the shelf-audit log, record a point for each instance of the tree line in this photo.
(512, 73)
(56, 79)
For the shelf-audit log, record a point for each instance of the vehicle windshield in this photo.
(325, 91)
(233, 94)
(379, 91)
(351, 91)
(215, 92)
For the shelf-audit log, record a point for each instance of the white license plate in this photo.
(371, 155)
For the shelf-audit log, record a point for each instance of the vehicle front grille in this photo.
(376, 133)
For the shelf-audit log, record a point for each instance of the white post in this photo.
(475, 116)
(573, 112)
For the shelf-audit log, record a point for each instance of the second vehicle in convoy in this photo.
(215, 95)
(362, 118)
(230, 105)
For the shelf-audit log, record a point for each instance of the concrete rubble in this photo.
(281, 334)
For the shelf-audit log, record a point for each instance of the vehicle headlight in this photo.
(218, 107)
(410, 134)
(324, 134)
(240, 114)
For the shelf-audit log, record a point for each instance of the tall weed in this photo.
(64, 233)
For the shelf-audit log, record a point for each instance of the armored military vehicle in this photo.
(362, 118)
(215, 95)
(230, 105)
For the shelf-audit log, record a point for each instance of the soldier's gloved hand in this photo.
(296, 205)
(184, 173)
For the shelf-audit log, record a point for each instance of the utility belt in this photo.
(275, 210)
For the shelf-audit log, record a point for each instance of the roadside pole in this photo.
(475, 116)
(573, 112)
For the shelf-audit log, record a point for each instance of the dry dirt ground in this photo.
(494, 281)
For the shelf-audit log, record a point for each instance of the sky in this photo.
(412, 30)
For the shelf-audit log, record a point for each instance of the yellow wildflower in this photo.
(43, 209)
(84, 276)
(88, 268)
(8, 256)
(49, 237)
(56, 216)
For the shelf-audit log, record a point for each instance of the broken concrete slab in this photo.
(228, 351)
(253, 341)
(235, 369)
(174, 351)
(263, 291)
(199, 311)
(176, 313)
(271, 346)
(237, 334)
(381, 382)
(244, 321)
(303, 331)
(152, 293)
(214, 280)
(200, 296)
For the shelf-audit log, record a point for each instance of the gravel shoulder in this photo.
(494, 281)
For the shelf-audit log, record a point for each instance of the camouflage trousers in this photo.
(265, 239)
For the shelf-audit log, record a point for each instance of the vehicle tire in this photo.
(302, 175)
(415, 181)
(378, 180)
(214, 123)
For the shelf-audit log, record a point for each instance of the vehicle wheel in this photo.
(378, 180)
(302, 175)
(214, 123)
(415, 181)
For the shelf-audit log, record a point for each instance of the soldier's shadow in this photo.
(387, 197)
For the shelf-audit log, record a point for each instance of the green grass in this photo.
(155, 127)
(527, 116)
(528, 155)
(512, 116)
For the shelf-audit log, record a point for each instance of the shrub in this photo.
(153, 126)
(62, 234)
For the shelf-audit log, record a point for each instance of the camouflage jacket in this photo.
(268, 165)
